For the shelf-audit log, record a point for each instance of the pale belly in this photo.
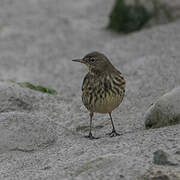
(108, 104)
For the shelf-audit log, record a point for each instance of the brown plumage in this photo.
(103, 87)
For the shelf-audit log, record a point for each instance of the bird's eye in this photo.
(92, 60)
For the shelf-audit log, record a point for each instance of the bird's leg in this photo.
(90, 136)
(113, 133)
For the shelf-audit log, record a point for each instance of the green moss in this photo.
(37, 88)
(126, 18)
(129, 18)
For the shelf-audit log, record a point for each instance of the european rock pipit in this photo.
(103, 87)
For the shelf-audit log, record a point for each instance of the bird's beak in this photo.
(78, 60)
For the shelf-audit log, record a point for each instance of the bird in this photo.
(103, 88)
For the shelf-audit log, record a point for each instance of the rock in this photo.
(25, 132)
(161, 175)
(165, 112)
(178, 152)
(15, 98)
(162, 158)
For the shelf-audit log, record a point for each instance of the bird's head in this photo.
(96, 62)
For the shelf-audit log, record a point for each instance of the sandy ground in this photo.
(38, 40)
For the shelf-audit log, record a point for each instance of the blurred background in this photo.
(38, 38)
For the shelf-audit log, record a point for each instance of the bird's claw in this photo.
(91, 137)
(113, 133)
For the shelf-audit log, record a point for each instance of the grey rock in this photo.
(15, 98)
(162, 158)
(178, 151)
(165, 112)
(25, 132)
(157, 174)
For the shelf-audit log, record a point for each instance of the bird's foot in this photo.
(91, 137)
(113, 133)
